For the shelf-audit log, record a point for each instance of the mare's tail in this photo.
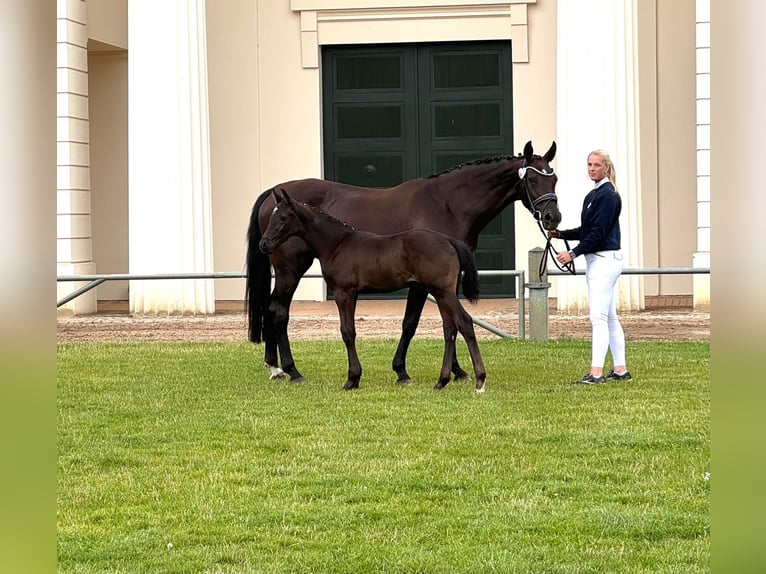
(468, 267)
(258, 283)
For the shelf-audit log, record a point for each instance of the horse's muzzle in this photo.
(265, 246)
(551, 218)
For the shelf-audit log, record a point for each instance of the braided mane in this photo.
(490, 159)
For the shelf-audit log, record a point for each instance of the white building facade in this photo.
(174, 116)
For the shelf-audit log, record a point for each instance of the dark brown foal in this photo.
(353, 261)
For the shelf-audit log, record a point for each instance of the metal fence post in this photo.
(538, 297)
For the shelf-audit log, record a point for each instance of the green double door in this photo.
(397, 112)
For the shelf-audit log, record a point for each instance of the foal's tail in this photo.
(258, 284)
(468, 267)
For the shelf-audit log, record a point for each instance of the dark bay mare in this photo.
(459, 202)
(354, 261)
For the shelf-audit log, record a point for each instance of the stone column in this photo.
(170, 223)
(701, 258)
(74, 251)
(597, 108)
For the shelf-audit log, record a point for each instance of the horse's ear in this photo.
(551, 153)
(528, 151)
(285, 197)
(281, 195)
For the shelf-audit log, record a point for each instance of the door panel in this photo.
(369, 115)
(459, 69)
(368, 71)
(370, 169)
(465, 100)
(461, 120)
(396, 112)
(369, 121)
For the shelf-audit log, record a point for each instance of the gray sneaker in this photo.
(589, 380)
(612, 376)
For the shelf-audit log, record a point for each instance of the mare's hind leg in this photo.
(456, 319)
(416, 300)
(457, 370)
(460, 374)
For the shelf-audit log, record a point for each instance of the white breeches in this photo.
(603, 270)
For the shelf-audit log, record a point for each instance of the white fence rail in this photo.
(538, 290)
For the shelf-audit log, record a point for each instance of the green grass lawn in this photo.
(184, 457)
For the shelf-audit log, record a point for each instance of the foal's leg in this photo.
(450, 334)
(346, 303)
(460, 374)
(279, 312)
(270, 357)
(278, 315)
(416, 300)
(465, 326)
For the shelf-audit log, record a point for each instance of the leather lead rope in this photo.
(551, 251)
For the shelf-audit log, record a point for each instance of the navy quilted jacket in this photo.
(599, 221)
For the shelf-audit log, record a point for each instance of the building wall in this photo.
(534, 109)
(284, 106)
(701, 258)
(108, 106)
(74, 254)
(108, 86)
(108, 22)
(234, 64)
(648, 145)
(676, 136)
(265, 116)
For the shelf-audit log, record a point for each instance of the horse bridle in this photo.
(538, 215)
(546, 197)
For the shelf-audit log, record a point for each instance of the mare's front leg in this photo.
(346, 303)
(416, 299)
(286, 277)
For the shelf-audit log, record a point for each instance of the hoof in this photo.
(462, 379)
(404, 382)
(479, 390)
(276, 373)
(350, 386)
(440, 385)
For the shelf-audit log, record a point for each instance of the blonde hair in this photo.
(607, 163)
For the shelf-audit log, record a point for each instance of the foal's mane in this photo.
(490, 159)
(323, 213)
